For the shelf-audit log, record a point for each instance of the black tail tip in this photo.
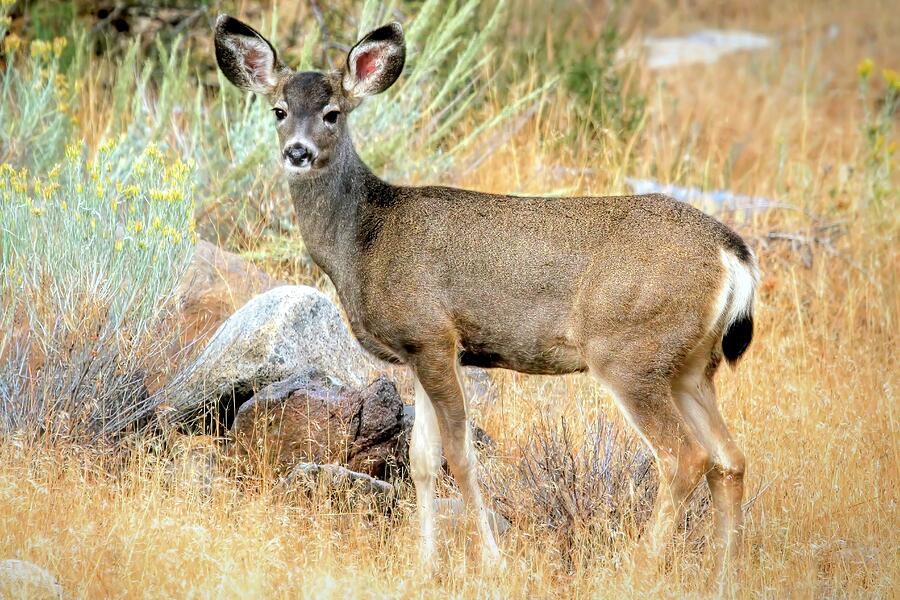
(737, 338)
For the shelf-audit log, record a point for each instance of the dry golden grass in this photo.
(813, 404)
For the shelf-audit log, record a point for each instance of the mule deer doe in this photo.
(646, 293)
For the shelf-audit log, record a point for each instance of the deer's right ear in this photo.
(246, 58)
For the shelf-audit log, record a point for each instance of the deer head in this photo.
(309, 108)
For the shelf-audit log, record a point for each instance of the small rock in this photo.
(22, 579)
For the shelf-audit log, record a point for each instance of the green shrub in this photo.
(33, 103)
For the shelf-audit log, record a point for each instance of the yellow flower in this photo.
(54, 172)
(106, 146)
(38, 212)
(177, 171)
(73, 152)
(93, 223)
(79, 188)
(5, 22)
(118, 245)
(167, 195)
(156, 223)
(891, 77)
(7, 3)
(63, 205)
(864, 69)
(131, 192)
(41, 49)
(137, 226)
(12, 43)
(892, 147)
(49, 188)
(153, 152)
(59, 44)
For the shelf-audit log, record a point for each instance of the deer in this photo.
(645, 293)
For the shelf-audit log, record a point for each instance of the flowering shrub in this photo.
(91, 253)
(878, 133)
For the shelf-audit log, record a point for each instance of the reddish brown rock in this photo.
(310, 418)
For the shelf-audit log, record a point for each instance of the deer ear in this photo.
(246, 58)
(375, 62)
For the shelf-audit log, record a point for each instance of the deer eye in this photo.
(280, 113)
(331, 116)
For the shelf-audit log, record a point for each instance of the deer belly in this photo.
(543, 357)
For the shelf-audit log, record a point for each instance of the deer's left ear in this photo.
(375, 62)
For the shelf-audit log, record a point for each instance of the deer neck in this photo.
(328, 208)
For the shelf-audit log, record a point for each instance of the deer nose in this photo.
(299, 155)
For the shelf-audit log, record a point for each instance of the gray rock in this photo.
(22, 579)
(346, 492)
(307, 476)
(275, 335)
(706, 47)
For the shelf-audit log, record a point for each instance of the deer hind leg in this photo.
(646, 402)
(438, 374)
(695, 395)
(425, 463)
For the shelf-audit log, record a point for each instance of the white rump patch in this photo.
(735, 300)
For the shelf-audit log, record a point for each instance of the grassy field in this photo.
(813, 403)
